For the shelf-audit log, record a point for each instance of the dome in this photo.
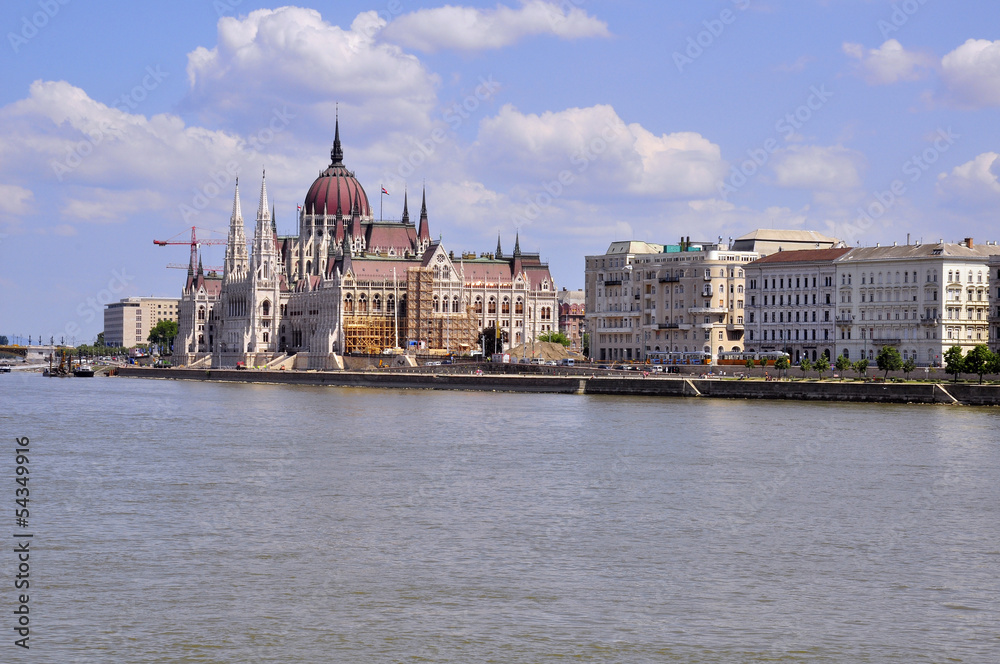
(336, 187)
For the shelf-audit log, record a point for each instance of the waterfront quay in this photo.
(592, 384)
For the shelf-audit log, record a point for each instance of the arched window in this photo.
(454, 304)
(505, 306)
(492, 307)
(265, 308)
(376, 303)
(201, 313)
(348, 304)
(437, 304)
(478, 305)
(362, 304)
(519, 307)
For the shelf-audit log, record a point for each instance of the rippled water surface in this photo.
(185, 522)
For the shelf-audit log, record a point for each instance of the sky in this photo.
(574, 123)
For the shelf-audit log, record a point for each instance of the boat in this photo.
(4, 368)
(84, 371)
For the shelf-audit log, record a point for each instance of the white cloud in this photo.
(472, 29)
(263, 60)
(818, 168)
(972, 72)
(889, 63)
(596, 154)
(15, 201)
(973, 183)
(99, 205)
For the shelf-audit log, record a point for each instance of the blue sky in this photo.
(577, 122)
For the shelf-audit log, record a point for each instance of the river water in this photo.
(193, 522)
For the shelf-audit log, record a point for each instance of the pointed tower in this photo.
(356, 231)
(406, 209)
(499, 249)
(266, 270)
(423, 231)
(517, 245)
(237, 260)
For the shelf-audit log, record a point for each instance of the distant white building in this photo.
(128, 322)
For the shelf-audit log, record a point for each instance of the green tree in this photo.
(762, 363)
(908, 367)
(586, 344)
(492, 340)
(100, 339)
(978, 361)
(954, 363)
(555, 337)
(163, 334)
(3, 340)
(843, 365)
(822, 365)
(993, 367)
(782, 364)
(889, 359)
(805, 365)
(861, 367)
(749, 364)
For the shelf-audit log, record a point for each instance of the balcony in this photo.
(613, 282)
(844, 320)
(669, 326)
(708, 310)
(669, 280)
(885, 342)
(933, 322)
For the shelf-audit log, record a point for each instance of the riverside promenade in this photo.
(615, 385)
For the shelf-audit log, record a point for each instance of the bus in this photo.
(739, 358)
(677, 358)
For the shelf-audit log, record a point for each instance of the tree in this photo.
(908, 367)
(749, 364)
(782, 364)
(822, 365)
(762, 363)
(492, 340)
(843, 365)
(954, 363)
(889, 359)
(861, 367)
(163, 334)
(805, 365)
(978, 361)
(3, 340)
(100, 339)
(993, 367)
(555, 337)
(586, 344)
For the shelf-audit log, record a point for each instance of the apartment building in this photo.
(922, 299)
(649, 301)
(993, 267)
(128, 322)
(792, 303)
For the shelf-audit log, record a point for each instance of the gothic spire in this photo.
(262, 211)
(406, 211)
(337, 153)
(423, 232)
(237, 212)
(499, 250)
(517, 245)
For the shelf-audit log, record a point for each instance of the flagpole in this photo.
(381, 196)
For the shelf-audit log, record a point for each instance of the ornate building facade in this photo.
(348, 283)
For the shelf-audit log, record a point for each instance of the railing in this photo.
(930, 321)
(708, 310)
(669, 326)
(886, 342)
(669, 280)
(613, 282)
(842, 320)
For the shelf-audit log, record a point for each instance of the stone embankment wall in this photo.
(927, 393)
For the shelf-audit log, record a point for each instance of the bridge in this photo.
(19, 351)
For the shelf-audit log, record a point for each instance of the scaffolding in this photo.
(368, 333)
(445, 329)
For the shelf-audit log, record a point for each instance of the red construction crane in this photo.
(194, 243)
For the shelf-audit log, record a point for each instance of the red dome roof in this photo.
(336, 188)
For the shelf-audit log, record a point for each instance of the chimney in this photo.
(968, 242)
